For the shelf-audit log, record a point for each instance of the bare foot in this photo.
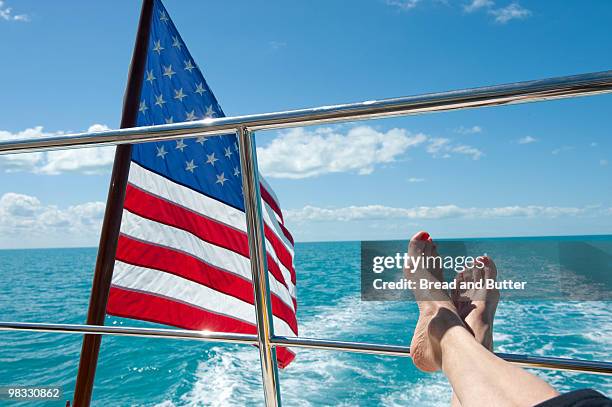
(477, 307)
(437, 313)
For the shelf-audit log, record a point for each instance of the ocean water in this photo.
(52, 285)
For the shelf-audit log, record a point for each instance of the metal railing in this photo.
(522, 92)
(541, 362)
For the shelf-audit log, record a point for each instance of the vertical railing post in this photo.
(259, 267)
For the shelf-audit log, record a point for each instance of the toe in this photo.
(477, 273)
(468, 275)
(490, 270)
(417, 243)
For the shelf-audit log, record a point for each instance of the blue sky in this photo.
(536, 169)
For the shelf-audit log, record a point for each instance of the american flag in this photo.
(183, 256)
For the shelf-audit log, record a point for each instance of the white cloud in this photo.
(477, 5)
(562, 149)
(6, 13)
(403, 4)
(513, 11)
(469, 130)
(473, 152)
(443, 147)
(527, 140)
(378, 212)
(23, 216)
(436, 145)
(301, 153)
(414, 179)
(87, 160)
(502, 15)
(603, 162)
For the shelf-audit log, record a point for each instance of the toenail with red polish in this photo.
(424, 236)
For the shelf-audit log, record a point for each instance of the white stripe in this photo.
(284, 271)
(204, 205)
(159, 234)
(201, 204)
(270, 219)
(268, 188)
(186, 197)
(270, 191)
(180, 289)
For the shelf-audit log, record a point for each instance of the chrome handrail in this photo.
(520, 92)
(537, 362)
(83, 329)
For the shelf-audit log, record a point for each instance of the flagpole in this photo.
(112, 217)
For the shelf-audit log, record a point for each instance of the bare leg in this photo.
(442, 341)
(480, 378)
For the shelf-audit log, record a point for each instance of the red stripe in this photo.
(145, 255)
(281, 251)
(287, 233)
(269, 199)
(159, 210)
(131, 304)
(152, 207)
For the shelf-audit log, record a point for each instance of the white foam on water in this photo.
(433, 391)
(501, 337)
(231, 375)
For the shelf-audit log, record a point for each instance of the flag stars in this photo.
(210, 159)
(190, 116)
(178, 94)
(228, 152)
(158, 47)
(163, 17)
(161, 152)
(200, 89)
(236, 171)
(159, 101)
(190, 166)
(176, 42)
(189, 66)
(180, 145)
(170, 120)
(150, 77)
(209, 112)
(143, 107)
(168, 71)
(221, 179)
(201, 140)
(236, 147)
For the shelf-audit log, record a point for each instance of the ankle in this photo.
(442, 321)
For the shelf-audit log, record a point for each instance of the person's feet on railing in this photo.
(455, 335)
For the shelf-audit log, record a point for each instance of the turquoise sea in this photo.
(52, 285)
